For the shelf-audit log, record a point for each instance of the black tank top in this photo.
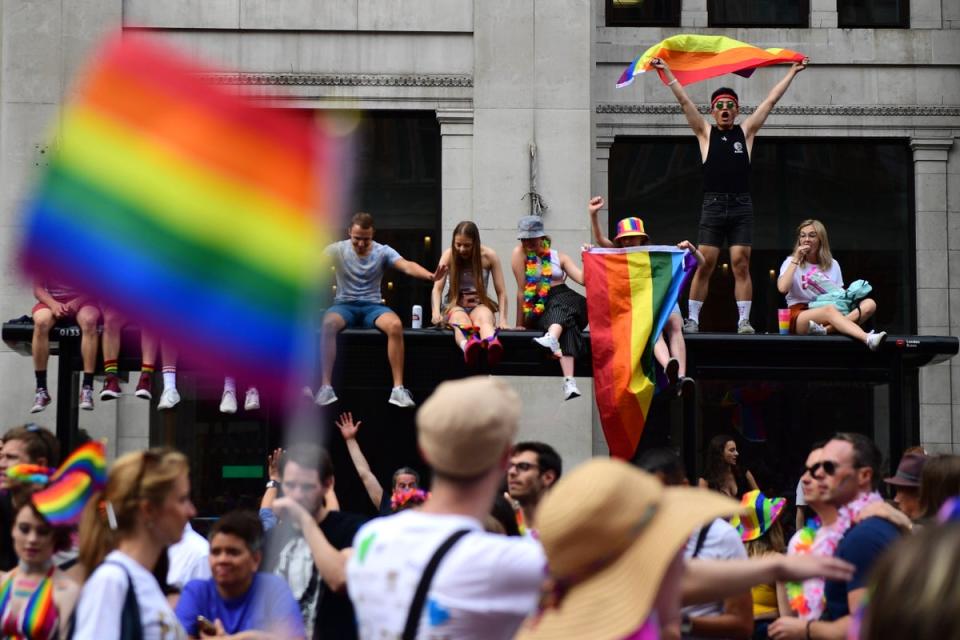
(727, 168)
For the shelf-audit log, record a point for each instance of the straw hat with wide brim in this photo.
(610, 531)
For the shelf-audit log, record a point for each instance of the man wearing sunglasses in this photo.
(727, 213)
(534, 468)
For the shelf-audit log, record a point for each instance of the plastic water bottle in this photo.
(416, 319)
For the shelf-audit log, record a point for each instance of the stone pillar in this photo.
(934, 294)
(601, 177)
(693, 13)
(927, 14)
(823, 14)
(456, 168)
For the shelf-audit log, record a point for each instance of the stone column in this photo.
(693, 13)
(823, 14)
(601, 177)
(456, 168)
(934, 294)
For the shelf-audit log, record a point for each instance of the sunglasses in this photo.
(829, 467)
(523, 466)
(724, 104)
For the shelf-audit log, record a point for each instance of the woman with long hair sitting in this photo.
(721, 472)
(467, 308)
(142, 510)
(36, 598)
(545, 302)
(803, 276)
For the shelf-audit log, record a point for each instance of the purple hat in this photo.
(908, 471)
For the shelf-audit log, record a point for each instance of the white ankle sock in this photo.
(230, 384)
(463, 344)
(743, 308)
(169, 378)
(693, 308)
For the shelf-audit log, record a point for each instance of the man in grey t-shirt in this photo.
(360, 263)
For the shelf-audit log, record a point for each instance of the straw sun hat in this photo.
(610, 531)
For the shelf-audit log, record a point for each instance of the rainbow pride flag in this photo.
(195, 212)
(83, 472)
(630, 294)
(693, 58)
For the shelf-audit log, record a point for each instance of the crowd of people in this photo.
(504, 542)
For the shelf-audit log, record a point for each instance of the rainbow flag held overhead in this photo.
(195, 212)
(630, 294)
(693, 58)
(83, 472)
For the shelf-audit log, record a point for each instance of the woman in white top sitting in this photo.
(142, 510)
(545, 302)
(801, 275)
(467, 307)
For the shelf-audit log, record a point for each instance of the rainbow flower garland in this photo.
(799, 600)
(30, 473)
(536, 289)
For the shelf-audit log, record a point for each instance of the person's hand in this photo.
(787, 628)
(686, 245)
(60, 310)
(801, 253)
(797, 67)
(273, 464)
(596, 203)
(440, 273)
(883, 510)
(505, 324)
(289, 509)
(658, 63)
(436, 319)
(348, 428)
(797, 568)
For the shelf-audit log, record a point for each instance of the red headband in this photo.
(725, 95)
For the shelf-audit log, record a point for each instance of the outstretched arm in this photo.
(700, 126)
(756, 119)
(571, 268)
(436, 303)
(596, 203)
(688, 246)
(348, 429)
(414, 270)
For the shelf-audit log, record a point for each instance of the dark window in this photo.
(759, 13)
(873, 13)
(862, 190)
(646, 13)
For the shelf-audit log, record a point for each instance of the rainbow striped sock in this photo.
(110, 367)
(147, 368)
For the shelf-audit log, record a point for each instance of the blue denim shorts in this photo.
(726, 216)
(359, 315)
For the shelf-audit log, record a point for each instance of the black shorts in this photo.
(726, 216)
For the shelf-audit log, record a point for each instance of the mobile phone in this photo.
(206, 627)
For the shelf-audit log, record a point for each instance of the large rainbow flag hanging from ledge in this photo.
(630, 294)
(195, 212)
(693, 58)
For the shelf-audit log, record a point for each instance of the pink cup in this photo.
(783, 317)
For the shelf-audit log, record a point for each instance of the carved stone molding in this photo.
(340, 79)
(931, 149)
(799, 110)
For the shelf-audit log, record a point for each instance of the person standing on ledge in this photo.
(725, 149)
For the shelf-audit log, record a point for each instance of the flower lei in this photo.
(807, 598)
(536, 289)
(406, 498)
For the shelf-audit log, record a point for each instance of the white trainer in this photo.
(570, 389)
(816, 329)
(252, 400)
(400, 396)
(228, 403)
(550, 343)
(874, 339)
(86, 398)
(325, 396)
(171, 398)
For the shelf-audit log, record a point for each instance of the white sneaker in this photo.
(547, 341)
(400, 396)
(86, 398)
(570, 389)
(691, 326)
(40, 401)
(228, 403)
(874, 339)
(252, 400)
(325, 396)
(744, 328)
(816, 329)
(171, 398)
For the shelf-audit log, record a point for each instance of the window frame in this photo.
(803, 24)
(903, 22)
(611, 19)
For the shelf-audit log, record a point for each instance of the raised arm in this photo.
(688, 246)
(696, 121)
(273, 474)
(348, 429)
(756, 119)
(596, 203)
(786, 278)
(496, 270)
(436, 303)
(331, 564)
(517, 265)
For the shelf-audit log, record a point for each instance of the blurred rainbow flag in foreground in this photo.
(82, 473)
(191, 210)
(693, 58)
(630, 294)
